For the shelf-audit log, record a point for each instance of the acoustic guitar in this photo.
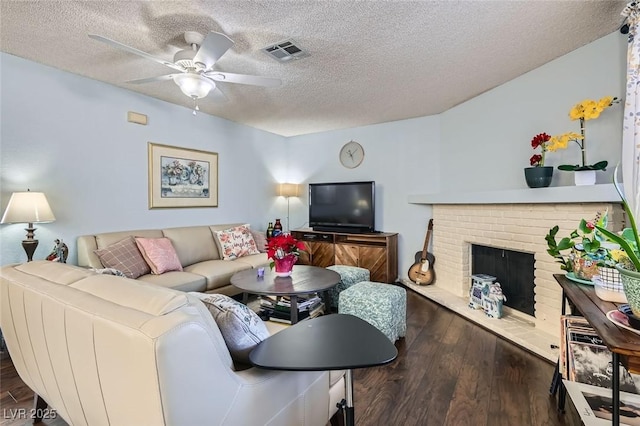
(421, 272)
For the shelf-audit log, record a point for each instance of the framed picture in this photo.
(595, 405)
(182, 177)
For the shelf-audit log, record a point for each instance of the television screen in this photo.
(342, 206)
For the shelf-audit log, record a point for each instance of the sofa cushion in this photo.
(124, 256)
(254, 260)
(176, 280)
(106, 239)
(159, 254)
(261, 240)
(235, 242)
(241, 328)
(135, 295)
(217, 272)
(193, 244)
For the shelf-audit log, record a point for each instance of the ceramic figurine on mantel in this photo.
(539, 175)
(588, 109)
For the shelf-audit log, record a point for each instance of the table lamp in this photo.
(288, 190)
(28, 207)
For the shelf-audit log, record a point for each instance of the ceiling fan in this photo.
(196, 77)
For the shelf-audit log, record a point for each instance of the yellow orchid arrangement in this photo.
(586, 110)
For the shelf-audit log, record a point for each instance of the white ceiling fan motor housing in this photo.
(184, 58)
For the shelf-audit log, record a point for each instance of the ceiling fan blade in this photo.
(152, 79)
(213, 47)
(253, 80)
(135, 51)
(218, 96)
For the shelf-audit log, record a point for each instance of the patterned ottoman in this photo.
(349, 275)
(382, 305)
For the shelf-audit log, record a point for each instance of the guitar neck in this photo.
(426, 240)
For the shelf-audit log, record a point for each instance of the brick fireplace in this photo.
(514, 226)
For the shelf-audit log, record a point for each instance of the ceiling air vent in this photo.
(285, 51)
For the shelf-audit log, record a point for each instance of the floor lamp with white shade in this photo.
(288, 190)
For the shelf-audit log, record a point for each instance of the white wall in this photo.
(486, 140)
(482, 144)
(401, 157)
(68, 136)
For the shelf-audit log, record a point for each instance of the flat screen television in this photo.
(342, 206)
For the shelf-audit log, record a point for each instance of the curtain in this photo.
(631, 122)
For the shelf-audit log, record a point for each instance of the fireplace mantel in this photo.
(605, 193)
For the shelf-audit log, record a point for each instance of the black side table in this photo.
(330, 342)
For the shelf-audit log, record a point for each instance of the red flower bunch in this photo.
(282, 245)
(540, 140)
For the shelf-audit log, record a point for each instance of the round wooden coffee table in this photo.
(303, 280)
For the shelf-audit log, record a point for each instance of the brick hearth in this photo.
(520, 227)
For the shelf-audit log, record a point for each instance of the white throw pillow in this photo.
(241, 328)
(236, 242)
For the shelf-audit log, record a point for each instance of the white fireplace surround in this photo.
(491, 220)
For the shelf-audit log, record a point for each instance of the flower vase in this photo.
(631, 285)
(584, 177)
(284, 266)
(538, 177)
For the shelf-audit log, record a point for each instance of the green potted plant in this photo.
(580, 253)
(538, 175)
(629, 266)
(584, 174)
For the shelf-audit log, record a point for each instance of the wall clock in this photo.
(351, 154)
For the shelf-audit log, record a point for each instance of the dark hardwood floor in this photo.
(448, 372)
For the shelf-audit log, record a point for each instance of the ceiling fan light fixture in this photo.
(194, 86)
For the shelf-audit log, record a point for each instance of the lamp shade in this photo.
(193, 85)
(28, 207)
(288, 189)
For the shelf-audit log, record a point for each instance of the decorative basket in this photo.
(609, 292)
(609, 276)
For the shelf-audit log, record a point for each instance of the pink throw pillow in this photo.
(159, 254)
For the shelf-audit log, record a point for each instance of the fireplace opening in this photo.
(513, 270)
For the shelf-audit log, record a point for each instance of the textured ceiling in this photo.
(370, 61)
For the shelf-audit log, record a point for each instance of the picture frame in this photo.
(594, 404)
(182, 177)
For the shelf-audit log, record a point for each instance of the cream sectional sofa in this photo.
(107, 350)
(198, 251)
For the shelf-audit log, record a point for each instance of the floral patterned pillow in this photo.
(159, 254)
(236, 242)
(241, 328)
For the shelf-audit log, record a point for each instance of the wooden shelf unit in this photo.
(376, 252)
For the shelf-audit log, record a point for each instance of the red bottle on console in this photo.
(277, 228)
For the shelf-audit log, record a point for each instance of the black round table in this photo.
(303, 280)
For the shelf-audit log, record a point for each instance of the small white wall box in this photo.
(478, 283)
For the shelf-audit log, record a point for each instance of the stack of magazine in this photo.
(586, 364)
(278, 308)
